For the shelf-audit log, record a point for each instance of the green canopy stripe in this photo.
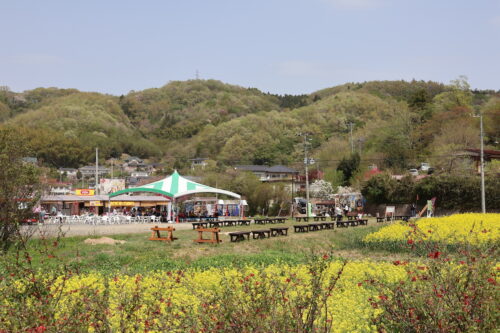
(174, 188)
(191, 186)
(158, 185)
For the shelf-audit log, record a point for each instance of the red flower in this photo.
(492, 281)
(410, 241)
(325, 256)
(434, 255)
(383, 297)
(397, 262)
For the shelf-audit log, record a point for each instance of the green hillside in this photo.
(395, 124)
(181, 109)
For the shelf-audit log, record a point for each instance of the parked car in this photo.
(413, 172)
(425, 166)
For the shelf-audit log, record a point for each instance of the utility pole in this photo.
(306, 162)
(483, 193)
(352, 141)
(96, 170)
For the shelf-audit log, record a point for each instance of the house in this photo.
(89, 170)
(259, 170)
(198, 162)
(475, 155)
(277, 173)
(69, 172)
(133, 163)
(31, 160)
(140, 174)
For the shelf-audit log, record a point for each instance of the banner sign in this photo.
(82, 191)
(122, 203)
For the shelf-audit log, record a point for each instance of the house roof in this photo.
(281, 169)
(253, 168)
(131, 158)
(198, 159)
(92, 167)
(67, 169)
(488, 153)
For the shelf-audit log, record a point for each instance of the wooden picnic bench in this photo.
(216, 224)
(362, 221)
(243, 222)
(343, 224)
(215, 235)
(260, 234)
(314, 226)
(380, 219)
(238, 236)
(229, 223)
(327, 225)
(199, 224)
(155, 234)
(301, 228)
(279, 231)
(260, 221)
(300, 218)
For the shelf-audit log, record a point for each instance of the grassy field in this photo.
(139, 254)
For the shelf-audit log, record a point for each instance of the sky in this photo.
(277, 46)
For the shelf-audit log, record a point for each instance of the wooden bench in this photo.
(260, 221)
(243, 222)
(215, 235)
(380, 219)
(238, 236)
(216, 224)
(314, 226)
(199, 225)
(229, 223)
(343, 224)
(363, 221)
(301, 228)
(260, 234)
(280, 219)
(327, 225)
(279, 231)
(155, 234)
(300, 218)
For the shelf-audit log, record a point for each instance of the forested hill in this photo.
(394, 123)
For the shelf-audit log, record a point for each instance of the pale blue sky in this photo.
(280, 46)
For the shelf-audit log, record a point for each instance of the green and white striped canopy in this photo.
(175, 186)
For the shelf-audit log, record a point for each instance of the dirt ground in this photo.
(97, 230)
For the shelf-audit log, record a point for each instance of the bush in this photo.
(456, 193)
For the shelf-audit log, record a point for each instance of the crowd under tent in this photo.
(175, 187)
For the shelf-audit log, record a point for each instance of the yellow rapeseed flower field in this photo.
(175, 301)
(460, 228)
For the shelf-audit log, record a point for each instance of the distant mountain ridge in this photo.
(394, 121)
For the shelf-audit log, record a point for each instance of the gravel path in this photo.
(97, 230)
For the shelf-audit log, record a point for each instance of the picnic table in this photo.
(155, 234)
(238, 236)
(280, 219)
(301, 228)
(380, 219)
(300, 218)
(199, 225)
(260, 234)
(318, 218)
(215, 235)
(279, 231)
